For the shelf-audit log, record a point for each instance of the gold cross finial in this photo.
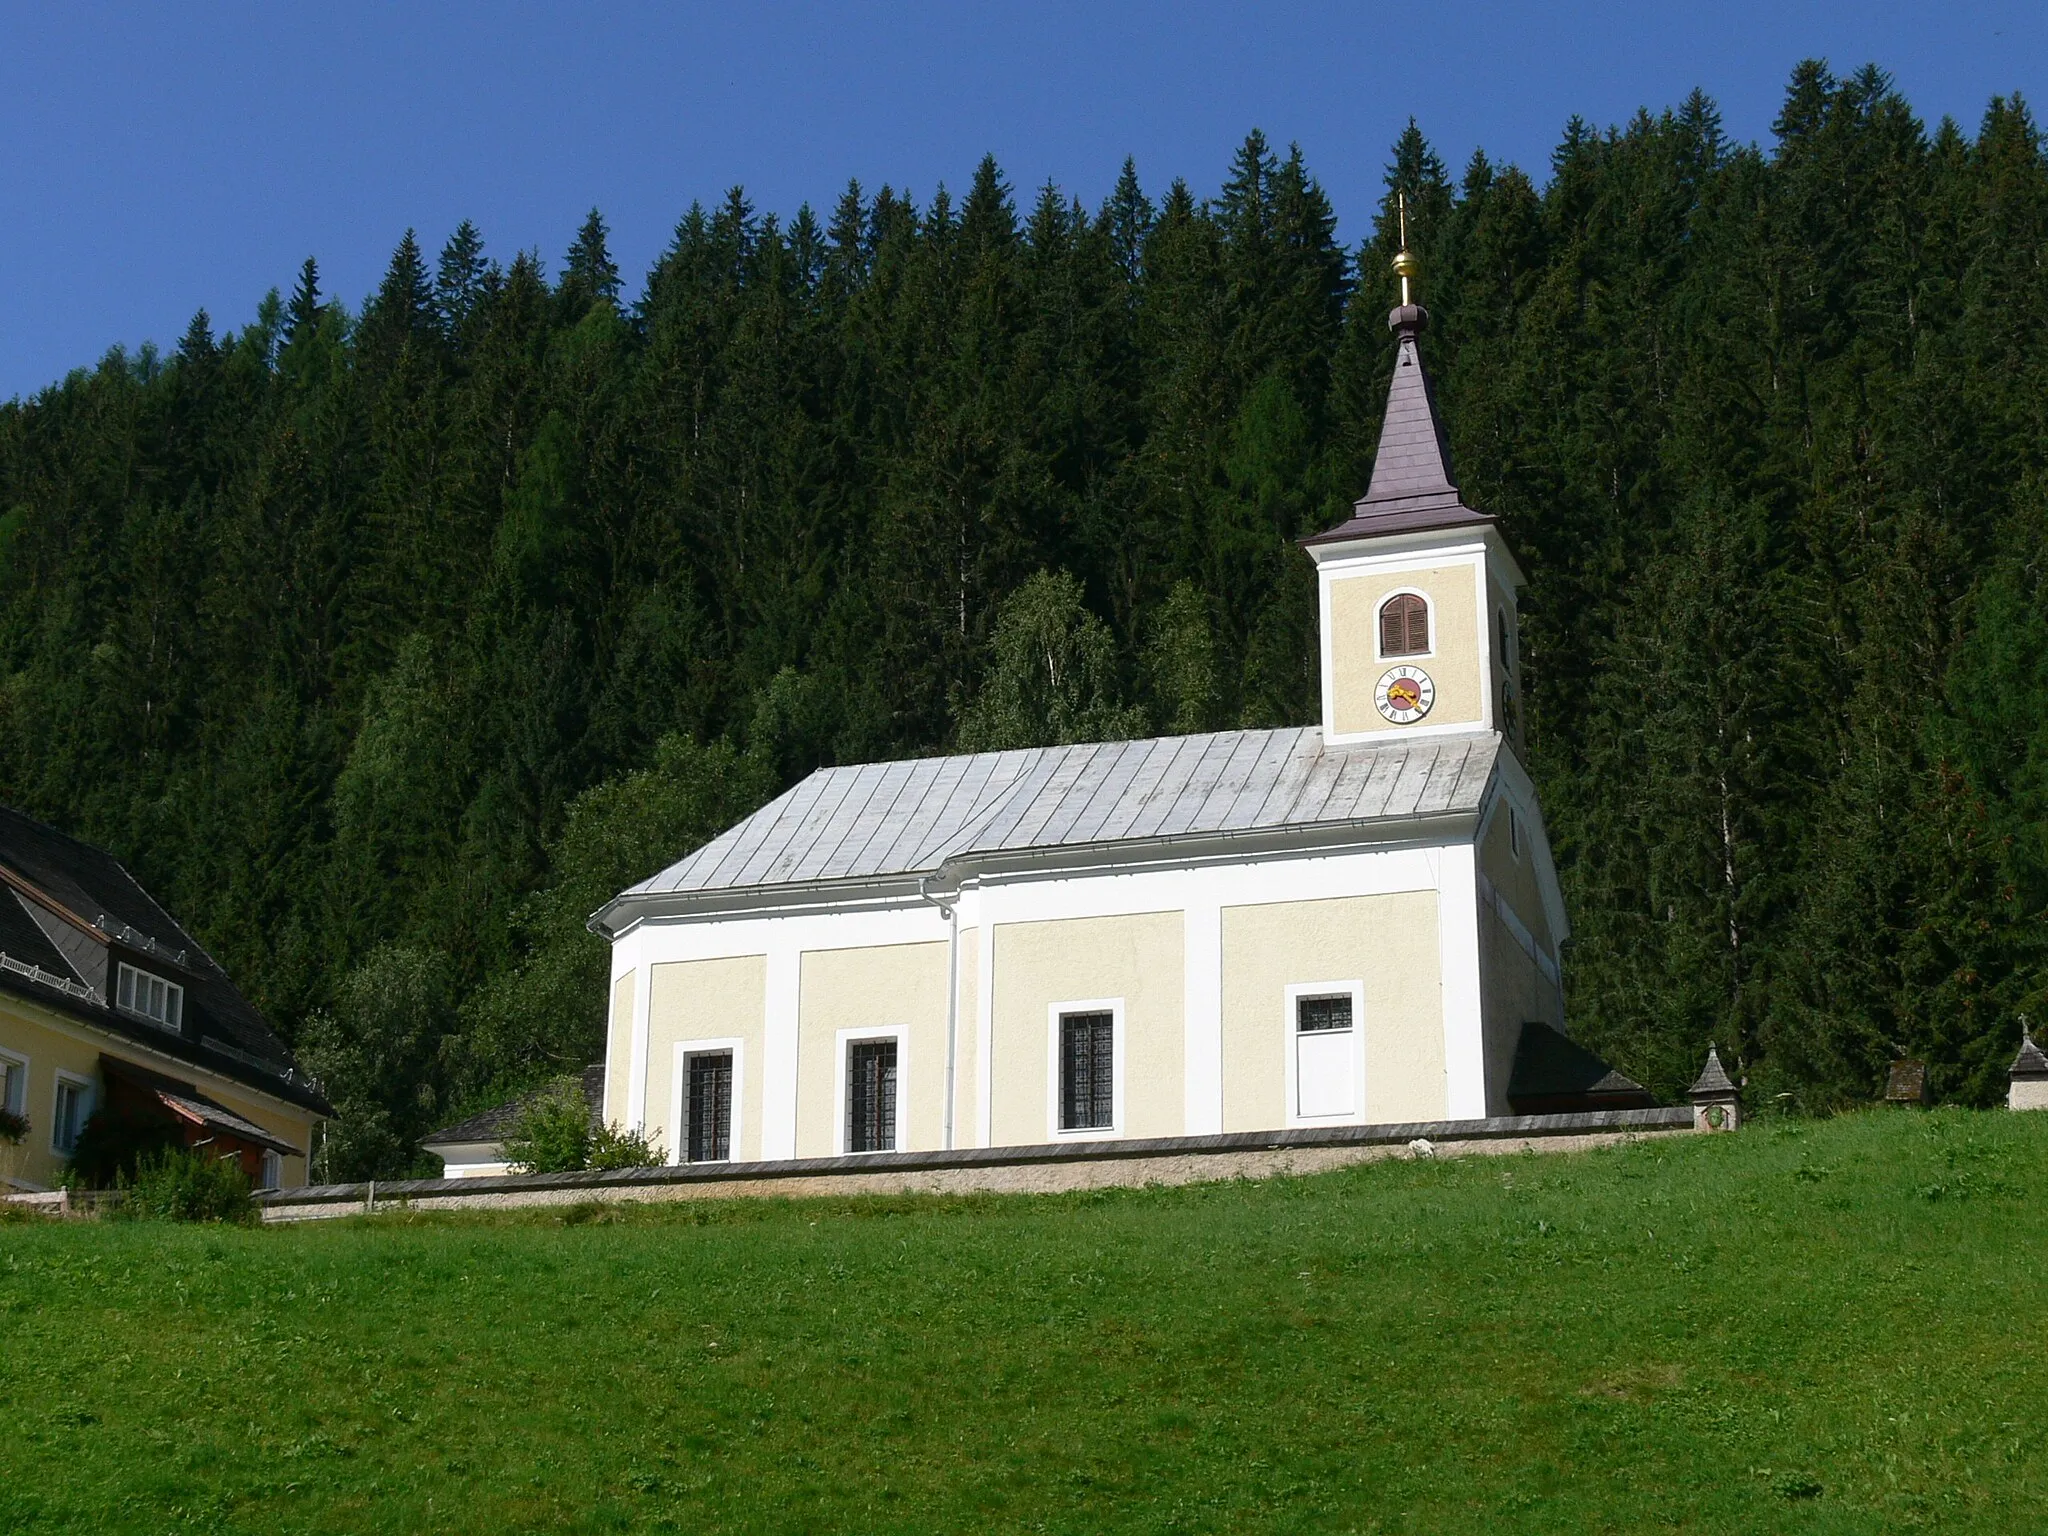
(1406, 266)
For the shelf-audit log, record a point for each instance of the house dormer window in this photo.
(151, 997)
(1404, 625)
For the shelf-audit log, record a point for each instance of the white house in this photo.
(1348, 923)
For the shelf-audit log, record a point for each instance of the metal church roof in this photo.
(882, 821)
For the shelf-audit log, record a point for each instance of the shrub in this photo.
(13, 1127)
(184, 1184)
(111, 1149)
(556, 1133)
(553, 1133)
(615, 1147)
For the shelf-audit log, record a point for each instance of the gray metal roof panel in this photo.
(1249, 803)
(907, 818)
(879, 821)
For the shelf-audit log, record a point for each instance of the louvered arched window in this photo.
(1404, 625)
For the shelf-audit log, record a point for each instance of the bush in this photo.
(112, 1149)
(615, 1147)
(184, 1184)
(556, 1133)
(13, 1127)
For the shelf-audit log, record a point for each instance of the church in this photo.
(1350, 923)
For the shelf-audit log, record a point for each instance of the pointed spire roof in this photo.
(2031, 1061)
(1411, 486)
(1714, 1081)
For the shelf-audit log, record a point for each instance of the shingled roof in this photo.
(68, 911)
(895, 821)
(497, 1122)
(1411, 485)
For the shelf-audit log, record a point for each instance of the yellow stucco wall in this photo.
(691, 1000)
(619, 1051)
(1515, 989)
(887, 986)
(1390, 944)
(1137, 958)
(1452, 662)
(51, 1042)
(1500, 600)
(1516, 992)
(1515, 876)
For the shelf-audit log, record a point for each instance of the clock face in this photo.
(1405, 694)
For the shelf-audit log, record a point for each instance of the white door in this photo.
(1325, 1058)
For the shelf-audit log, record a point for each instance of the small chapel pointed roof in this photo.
(2031, 1061)
(1714, 1079)
(1411, 485)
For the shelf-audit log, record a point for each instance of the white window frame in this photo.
(1429, 613)
(17, 1100)
(679, 1092)
(1289, 1020)
(85, 1086)
(1114, 1007)
(843, 1044)
(271, 1174)
(174, 998)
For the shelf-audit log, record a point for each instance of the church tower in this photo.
(1419, 628)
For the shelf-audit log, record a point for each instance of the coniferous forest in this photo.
(385, 643)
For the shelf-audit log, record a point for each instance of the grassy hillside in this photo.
(1828, 1327)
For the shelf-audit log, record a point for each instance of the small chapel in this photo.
(1350, 923)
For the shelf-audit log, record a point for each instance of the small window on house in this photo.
(1514, 833)
(151, 997)
(13, 1085)
(710, 1129)
(272, 1174)
(1404, 625)
(1500, 635)
(871, 1096)
(1087, 1071)
(72, 1109)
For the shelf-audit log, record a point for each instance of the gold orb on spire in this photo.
(1407, 265)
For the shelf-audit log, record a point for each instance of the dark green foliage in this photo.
(181, 1184)
(553, 1131)
(111, 1148)
(386, 647)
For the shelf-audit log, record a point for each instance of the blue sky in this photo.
(163, 158)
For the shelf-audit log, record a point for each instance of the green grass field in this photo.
(1825, 1327)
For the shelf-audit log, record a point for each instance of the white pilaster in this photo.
(985, 1026)
(1202, 994)
(778, 1054)
(1457, 927)
(643, 993)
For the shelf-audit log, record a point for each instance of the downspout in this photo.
(946, 911)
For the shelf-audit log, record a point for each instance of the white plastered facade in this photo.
(1443, 930)
(1199, 959)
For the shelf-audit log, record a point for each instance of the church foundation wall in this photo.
(1040, 1169)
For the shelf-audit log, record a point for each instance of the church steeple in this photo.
(1418, 590)
(1411, 475)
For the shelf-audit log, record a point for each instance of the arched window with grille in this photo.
(1404, 625)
